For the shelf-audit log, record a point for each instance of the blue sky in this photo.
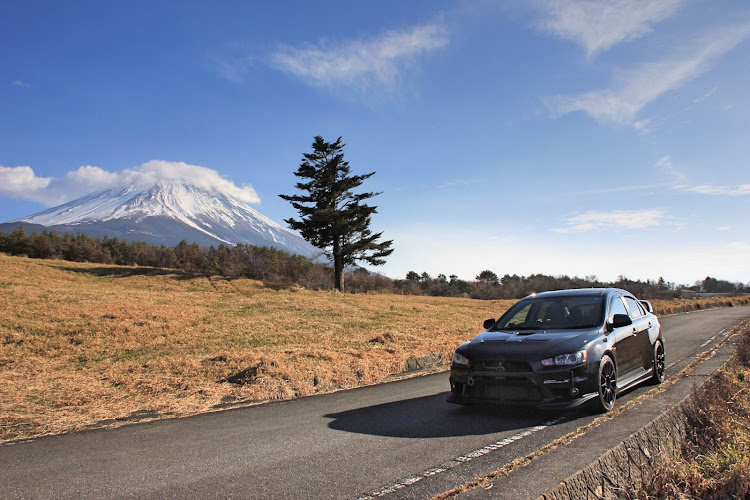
(580, 138)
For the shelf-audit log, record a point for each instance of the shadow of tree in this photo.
(129, 271)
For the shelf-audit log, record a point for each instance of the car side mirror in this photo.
(648, 306)
(488, 323)
(618, 321)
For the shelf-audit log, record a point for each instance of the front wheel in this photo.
(659, 363)
(607, 385)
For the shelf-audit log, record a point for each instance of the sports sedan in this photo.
(561, 349)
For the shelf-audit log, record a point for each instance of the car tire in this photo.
(659, 363)
(607, 385)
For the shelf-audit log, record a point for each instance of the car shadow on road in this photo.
(433, 417)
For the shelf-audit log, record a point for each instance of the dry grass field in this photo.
(714, 461)
(85, 345)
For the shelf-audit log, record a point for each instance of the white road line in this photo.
(403, 483)
(704, 344)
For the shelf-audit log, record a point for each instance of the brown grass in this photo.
(83, 345)
(715, 460)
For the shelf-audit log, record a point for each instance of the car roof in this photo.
(573, 292)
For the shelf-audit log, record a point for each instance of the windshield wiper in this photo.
(577, 327)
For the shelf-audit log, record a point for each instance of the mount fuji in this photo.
(165, 213)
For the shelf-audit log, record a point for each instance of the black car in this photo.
(561, 349)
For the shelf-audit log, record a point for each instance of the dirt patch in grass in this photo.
(84, 345)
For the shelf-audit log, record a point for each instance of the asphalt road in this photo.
(397, 440)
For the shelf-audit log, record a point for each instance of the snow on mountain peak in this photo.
(220, 216)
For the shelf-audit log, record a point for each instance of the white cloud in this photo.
(16, 180)
(600, 25)
(706, 189)
(636, 88)
(22, 183)
(22, 84)
(359, 63)
(617, 219)
(665, 165)
(741, 190)
(705, 96)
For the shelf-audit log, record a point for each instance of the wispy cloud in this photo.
(665, 165)
(460, 183)
(361, 64)
(636, 88)
(23, 184)
(600, 25)
(233, 69)
(22, 84)
(705, 96)
(617, 219)
(740, 190)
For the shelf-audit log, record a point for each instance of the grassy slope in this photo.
(715, 459)
(82, 344)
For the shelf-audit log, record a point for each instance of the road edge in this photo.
(634, 460)
(592, 481)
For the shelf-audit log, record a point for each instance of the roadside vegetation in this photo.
(714, 462)
(278, 269)
(85, 345)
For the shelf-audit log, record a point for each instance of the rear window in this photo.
(551, 313)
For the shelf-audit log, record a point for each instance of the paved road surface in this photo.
(398, 440)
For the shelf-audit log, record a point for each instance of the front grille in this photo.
(506, 366)
(507, 392)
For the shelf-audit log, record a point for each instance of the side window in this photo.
(617, 307)
(636, 311)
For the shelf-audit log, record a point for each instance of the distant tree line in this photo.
(263, 263)
(280, 269)
(488, 285)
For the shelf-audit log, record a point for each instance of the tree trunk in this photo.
(338, 267)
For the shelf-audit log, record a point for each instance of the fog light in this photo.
(574, 391)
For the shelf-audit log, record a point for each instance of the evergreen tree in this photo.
(331, 216)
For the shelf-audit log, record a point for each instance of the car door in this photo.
(626, 351)
(641, 341)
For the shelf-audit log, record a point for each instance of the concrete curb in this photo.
(630, 462)
(633, 461)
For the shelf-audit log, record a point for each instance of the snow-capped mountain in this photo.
(166, 213)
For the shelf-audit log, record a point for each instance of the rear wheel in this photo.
(607, 385)
(659, 363)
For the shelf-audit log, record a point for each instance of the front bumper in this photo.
(553, 388)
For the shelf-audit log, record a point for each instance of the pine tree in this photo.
(331, 216)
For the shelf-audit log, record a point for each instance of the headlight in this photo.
(574, 358)
(459, 360)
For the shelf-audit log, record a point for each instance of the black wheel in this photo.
(659, 363)
(607, 385)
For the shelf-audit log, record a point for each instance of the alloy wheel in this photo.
(659, 362)
(607, 384)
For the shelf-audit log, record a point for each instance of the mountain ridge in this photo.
(165, 213)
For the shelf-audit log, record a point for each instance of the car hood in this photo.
(529, 344)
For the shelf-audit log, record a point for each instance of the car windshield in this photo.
(553, 313)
